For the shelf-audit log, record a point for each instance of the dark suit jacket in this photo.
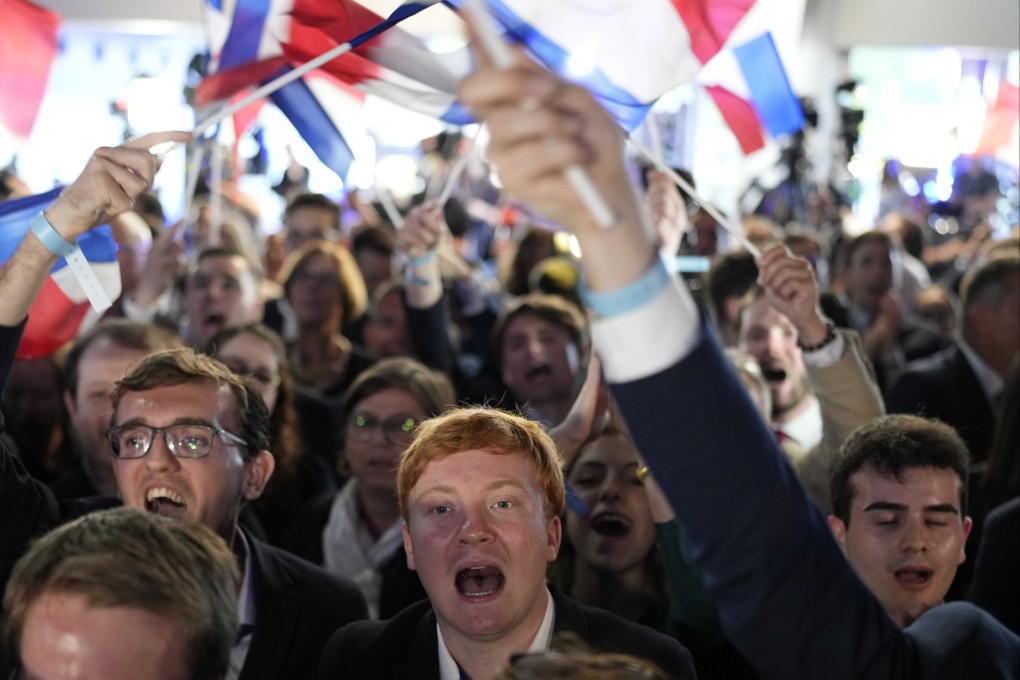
(996, 586)
(298, 606)
(405, 647)
(787, 598)
(944, 386)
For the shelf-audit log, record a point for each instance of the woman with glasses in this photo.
(356, 532)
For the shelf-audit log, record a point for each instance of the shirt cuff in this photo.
(649, 339)
(826, 356)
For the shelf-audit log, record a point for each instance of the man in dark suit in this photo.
(787, 598)
(959, 385)
(892, 336)
(482, 493)
(190, 442)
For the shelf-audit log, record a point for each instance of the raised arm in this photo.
(108, 186)
(787, 597)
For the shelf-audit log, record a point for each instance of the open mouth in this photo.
(610, 524)
(773, 375)
(165, 502)
(480, 581)
(215, 319)
(914, 577)
(541, 371)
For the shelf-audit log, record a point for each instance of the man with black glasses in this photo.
(190, 443)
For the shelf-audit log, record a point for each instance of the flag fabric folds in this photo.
(755, 97)
(1000, 120)
(627, 54)
(28, 46)
(255, 41)
(245, 53)
(62, 307)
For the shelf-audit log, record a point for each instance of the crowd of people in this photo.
(388, 452)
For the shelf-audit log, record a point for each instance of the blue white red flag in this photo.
(62, 307)
(628, 54)
(753, 92)
(266, 38)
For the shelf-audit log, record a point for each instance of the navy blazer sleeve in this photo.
(27, 507)
(787, 597)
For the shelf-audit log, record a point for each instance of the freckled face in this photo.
(478, 536)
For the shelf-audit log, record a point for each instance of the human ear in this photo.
(257, 472)
(838, 529)
(408, 546)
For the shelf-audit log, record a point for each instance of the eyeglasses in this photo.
(396, 430)
(183, 441)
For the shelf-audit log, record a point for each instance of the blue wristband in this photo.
(54, 242)
(630, 297)
(422, 259)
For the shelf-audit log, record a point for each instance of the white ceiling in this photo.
(161, 16)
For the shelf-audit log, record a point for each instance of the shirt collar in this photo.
(448, 668)
(245, 598)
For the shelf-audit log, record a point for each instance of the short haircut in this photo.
(483, 429)
(181, 366)
(571, 658)
(551, 308)
(253, 267)
(317, 201)
(379, 239)
(733, 274)
(868, 237)
(988, 284)
(430, 388)
(123, 332)
(891, 445)
(353, 293)
(129, 558)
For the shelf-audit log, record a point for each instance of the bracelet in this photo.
(630, 297)
(48, 236)
(643, 472)
(830, 336)
(422, 259)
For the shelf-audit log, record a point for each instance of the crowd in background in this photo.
(355, 331)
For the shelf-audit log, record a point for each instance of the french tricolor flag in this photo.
(255, 41)
(750, 86)
(62, 308)
(628, 54)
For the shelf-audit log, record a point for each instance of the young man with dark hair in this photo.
(899, 495)
(310, 217)
(541, 344)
